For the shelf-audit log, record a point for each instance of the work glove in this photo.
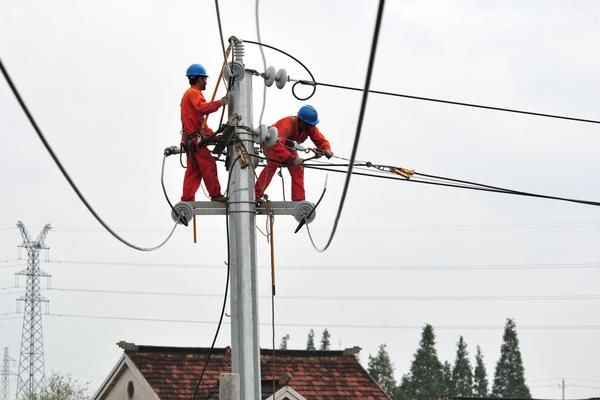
(328, 153)
(224, 100)
(297, 161)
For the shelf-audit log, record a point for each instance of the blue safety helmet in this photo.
(308, 114)
(196, 70)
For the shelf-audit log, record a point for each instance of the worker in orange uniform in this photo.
(292, 129)
(194, 111)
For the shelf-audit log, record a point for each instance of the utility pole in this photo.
(245, 340)
(31, 361)
(242, 209)
(5, 375)
(562, 387)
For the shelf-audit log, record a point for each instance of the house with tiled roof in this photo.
(172, 373)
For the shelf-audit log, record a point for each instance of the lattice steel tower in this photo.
(5, 376)
(31, 361)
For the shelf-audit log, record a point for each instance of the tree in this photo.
(325, 343)
(425, 380)
(284, 342)
(381, 369)
(447, 371)
(462, 373)
(509, 378)
(310, 342)
(480, 381)
(59, 387)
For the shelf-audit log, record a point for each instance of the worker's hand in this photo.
(328, 153)
(297, 161)
(224, 100)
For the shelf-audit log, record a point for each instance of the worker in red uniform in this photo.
(194, 111)
(292, 129)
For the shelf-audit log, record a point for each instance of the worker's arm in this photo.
(319, 140)
(202, 106)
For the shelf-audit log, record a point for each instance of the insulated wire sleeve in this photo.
(363, 107)
(66, 175)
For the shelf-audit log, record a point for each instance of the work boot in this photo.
(220, 198)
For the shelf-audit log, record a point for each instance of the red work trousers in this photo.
(201, 166)
(296, 172)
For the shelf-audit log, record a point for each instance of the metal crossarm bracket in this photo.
(299, 209)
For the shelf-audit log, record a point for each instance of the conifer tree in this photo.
(284, 342)
(382, 370)
(462, 373)
(509, 378)
(425, 381)
(310, 342)
(447, 370)
(325, 342)
(480, 381)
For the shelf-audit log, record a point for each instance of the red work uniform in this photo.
(279, 153)
(200, 163)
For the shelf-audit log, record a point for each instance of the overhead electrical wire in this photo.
(65, 173)
(454, 183)
(428, 179)
(457, 103)
(554, 327)
(316, 297)
(456, 267)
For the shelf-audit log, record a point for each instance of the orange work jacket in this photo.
(288, 129)
(194, 108)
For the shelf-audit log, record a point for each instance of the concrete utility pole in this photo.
(242, 209)
(5, 375)
(31, 361)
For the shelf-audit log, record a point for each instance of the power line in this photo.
(361, 115)
(330, 325)
(459, 184)
(312, 297)
(456, 103)
(418, 228)
(372, 267)
(66, 174)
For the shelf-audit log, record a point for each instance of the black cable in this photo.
(483, 188)
(180, 217)
(295, 59)
(220, 29)
(463, 184)
(361, 115)
(64, 171)
(212, 346)
(456, 103)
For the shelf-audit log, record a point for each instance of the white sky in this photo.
(104, 80)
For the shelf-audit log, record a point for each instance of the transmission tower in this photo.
(31, 361)
(4, 376)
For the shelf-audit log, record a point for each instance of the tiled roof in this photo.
(317, 375)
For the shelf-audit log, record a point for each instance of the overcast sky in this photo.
(104, 80)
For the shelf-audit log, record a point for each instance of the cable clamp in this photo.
(404, 172)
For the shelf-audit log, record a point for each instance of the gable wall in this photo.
(119, 389)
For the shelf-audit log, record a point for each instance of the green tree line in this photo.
(429, 378)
